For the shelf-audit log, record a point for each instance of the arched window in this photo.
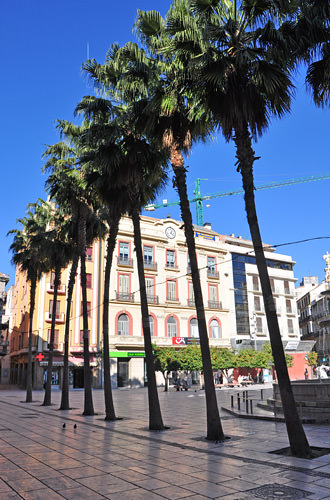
(151, 324)
(194, 328)
(171, 327)
(123, 324)
(215, 329)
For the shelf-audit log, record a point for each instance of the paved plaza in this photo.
(93, 459)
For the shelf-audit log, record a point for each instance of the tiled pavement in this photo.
(39, 459)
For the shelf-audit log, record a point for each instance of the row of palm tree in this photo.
(207, 66)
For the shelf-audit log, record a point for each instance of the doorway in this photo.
(123, 372)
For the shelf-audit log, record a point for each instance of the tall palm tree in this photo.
(28, 253)
(59, 254)
(246, 83)
(80, 197)
(165, 107)
(60, 163)
(121, 160)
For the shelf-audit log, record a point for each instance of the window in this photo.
(123, 284)
(259, 325)
(286, 287)
(82, 337)
(89, 253)
(170, 258)
(272, 284)
(148, 254)
(290, 326)
(171, 290)
(255, 281)
(257, 304)
(123, 325)
(288, 306)
(211, 263)
(150, 288)
(171, 327)
(194, 328)
(55, 338)
(88, 280)
(88, 309)
(191, 295)
(215, 329)
(123, 252)
(151, 325)
(51, 302)
(213, 293)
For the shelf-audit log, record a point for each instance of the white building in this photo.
(231, 290)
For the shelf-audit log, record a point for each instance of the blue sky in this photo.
(43, 45)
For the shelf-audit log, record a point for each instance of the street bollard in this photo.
(238, 402)
(247, 405)
(232, 401)
(261, 394)
(251, 407)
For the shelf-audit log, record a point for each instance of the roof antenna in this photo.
(87, 50)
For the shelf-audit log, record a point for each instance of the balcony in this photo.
(150, 265)
(289, 291)
(212, 273)
(59, 317)
(60, 289)
(172, 300)
(152, 299)
(215, 304)
(191, 303)
(124, 261)
(171, 265)
(125, 297)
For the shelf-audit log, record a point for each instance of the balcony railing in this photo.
(124, 261)
(212, 273)
(152, 299)
(215, 304)
(60, 289)
(191, 302)
(172, 299)
(150, 265)
(59, 317)
(171, 265)
(125, 297)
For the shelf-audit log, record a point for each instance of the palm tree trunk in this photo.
(214, 427)
(65, 382)
(108, 399)
(29, 366)
(297, 438)
(155, 416)
(88, 398)
(48, 391)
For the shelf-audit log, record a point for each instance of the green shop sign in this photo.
(122, 354)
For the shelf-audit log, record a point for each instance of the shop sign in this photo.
(204, 236)
(184, 340)
(124, 354)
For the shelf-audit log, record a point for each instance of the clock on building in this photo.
(170, 232)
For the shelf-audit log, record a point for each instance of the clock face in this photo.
(170, 232)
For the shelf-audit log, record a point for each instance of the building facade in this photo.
(231, 290)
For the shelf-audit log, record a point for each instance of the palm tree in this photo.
(166, 114)
(59, 253)
(121, 160)
(246, 84)
(60, 162)
(28, 253)
(72, 190)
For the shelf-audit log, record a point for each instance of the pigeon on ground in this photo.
(63, 426)
(75, 426)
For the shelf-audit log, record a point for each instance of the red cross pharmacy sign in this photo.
(40, 356)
